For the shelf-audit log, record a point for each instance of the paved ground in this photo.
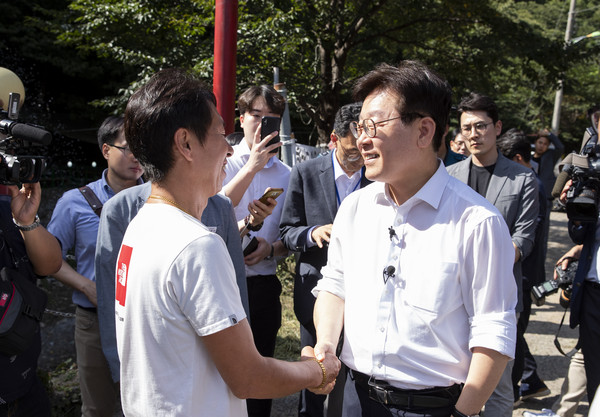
(543, 325)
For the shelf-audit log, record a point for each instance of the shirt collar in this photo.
(431, 193)
(243, 152)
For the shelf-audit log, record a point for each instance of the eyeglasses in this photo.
(480, 127)
(369, 126)
(124, 149)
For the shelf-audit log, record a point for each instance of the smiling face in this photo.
(481, 142)
(213, 155)
(391, 155)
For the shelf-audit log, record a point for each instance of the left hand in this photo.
(262, 251)
(25, 202)
(260, 211)
(332, 368)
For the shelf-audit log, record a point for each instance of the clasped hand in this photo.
(332, 368)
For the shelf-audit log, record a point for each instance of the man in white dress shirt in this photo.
(419, 270)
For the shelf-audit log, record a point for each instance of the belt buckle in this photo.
(378, 393)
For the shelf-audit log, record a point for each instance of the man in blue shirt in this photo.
(75, 225)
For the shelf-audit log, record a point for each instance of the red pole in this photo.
(225, 60)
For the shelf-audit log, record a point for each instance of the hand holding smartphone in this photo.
(270, 193)
(268, 125)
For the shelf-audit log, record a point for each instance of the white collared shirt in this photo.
(274, 174)
(452, 287)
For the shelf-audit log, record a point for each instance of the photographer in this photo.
(24, 239)
(585, 299)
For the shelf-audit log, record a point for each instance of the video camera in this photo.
(564, 281)
(19, 142)
(584, 170)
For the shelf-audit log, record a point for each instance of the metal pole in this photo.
(559, 92)
(225, 60)
(288, 148)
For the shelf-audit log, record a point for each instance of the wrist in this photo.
(249, 226)
(322, 373)
(27, 228)
(270, 256)
(457, 413)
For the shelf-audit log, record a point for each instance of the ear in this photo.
(498, 127)
(426, 127)
(241, 120)
(105, 150)
(182, 143)
(333, 137)
(517, 158)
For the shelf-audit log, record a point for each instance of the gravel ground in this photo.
(58, 343)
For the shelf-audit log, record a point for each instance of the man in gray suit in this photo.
(116, 215)
(512, 189)
(316, 189)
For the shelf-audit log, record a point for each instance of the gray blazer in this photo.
(310, 201)
(116, 215)
(513, 190)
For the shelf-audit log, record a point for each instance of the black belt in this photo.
(593, 284)
(384, 393)
(90, 309)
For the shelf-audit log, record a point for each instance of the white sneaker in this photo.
(545, 413)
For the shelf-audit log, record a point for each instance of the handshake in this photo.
(329, 364)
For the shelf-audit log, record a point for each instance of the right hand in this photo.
(574, 252)
(321, 235)
(332, 368)
(260, 152)
(90, 292)
(563, 193)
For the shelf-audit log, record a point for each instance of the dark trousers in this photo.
(34, 403)
(525, 366)
(358, 404)
(265, 321)
(589, 335)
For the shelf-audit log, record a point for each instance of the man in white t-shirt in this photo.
(183, 338)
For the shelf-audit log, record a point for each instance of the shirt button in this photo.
(379, 365)
(382, 329)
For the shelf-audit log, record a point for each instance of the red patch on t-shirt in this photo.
(122, 271)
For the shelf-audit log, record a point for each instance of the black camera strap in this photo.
(557, 343)
(92, 199)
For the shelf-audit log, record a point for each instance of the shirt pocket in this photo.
(434, 287)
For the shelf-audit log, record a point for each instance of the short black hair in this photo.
(514, 142)
(274, 100)
(109, 130)
(344, 116)
(419, 90)
(478, 102)
(170, 100)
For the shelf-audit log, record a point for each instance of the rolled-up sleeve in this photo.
(489, 289)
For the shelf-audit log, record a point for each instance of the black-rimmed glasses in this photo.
(124, 149)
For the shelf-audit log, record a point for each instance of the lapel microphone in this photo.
(392, 232)
(388, 272)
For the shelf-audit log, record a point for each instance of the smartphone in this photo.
(270, 193)
(249, 245)
(268, 125)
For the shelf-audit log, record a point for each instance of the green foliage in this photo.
(512, 50)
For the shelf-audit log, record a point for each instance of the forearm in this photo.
(328, 317)
(484, 374)
(43, 251)
(238, 185)
(279, 249)
(67, 275)
(250, 375)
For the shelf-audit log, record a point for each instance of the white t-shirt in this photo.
(175, 283)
